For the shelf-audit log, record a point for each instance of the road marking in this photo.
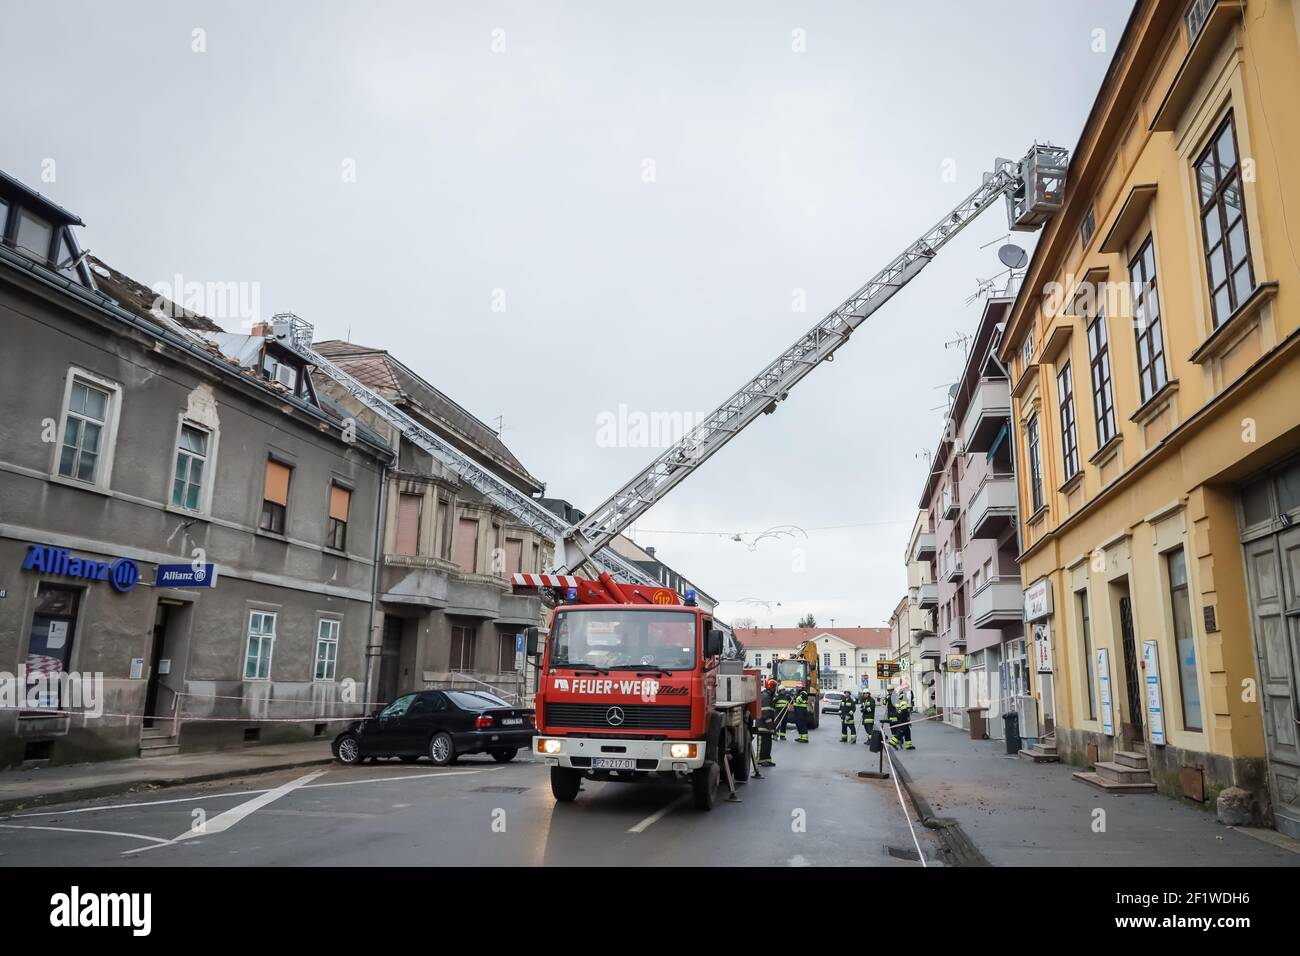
(659, 815)
(224, 821)
(241, 793)
(132, 836)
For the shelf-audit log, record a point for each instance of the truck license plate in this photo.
(613, 763)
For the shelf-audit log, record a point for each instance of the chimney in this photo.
(261, 330)
(650, 551)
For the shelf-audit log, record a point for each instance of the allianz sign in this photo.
(121, 573)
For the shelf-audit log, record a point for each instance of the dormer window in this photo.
(32, 236)
(39, 230)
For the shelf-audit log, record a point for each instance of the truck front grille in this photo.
(634, 716)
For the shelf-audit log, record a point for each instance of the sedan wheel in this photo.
(441, 749)
(504, 756)
(349, 751)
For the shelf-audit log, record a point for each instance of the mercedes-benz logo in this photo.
(614, 716)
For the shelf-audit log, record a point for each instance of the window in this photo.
(84, 427)
(409, 510)
(1223, 219)
(49, 645)
(1089, 227)
(866, 658)
(4, 217)
(444, 529)
(462, 647)
(826, 660)
(758, 660)
(505, 653)
(1069, 436)
(275, 496)
(844, 660)
(340, 501)
(1189, 685)
(33, 236)
(327, 649)
(466, 544)
(514, 555)
(1027, 351)
(1146, 321)
(1035, 464)
(1197, 13)
(398, 707)
(261, 641)
(1103, 396)
(1089, 663)
(191, 461)
(537, 557)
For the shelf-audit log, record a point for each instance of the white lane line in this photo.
(242, 793)
(119, 833)
(658, 815)
(227, 819)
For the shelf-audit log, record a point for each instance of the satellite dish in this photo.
(1012, 256)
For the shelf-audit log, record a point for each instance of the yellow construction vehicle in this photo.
(800, 672)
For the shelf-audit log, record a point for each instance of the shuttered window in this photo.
(340, 500)
(275, 496)
(466, 543)
(409, 509)
(514, 555)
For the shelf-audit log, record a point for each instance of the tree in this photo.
(807, 621)
(747, 623)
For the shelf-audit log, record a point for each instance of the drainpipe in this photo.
(1011, 439)
(374, 579)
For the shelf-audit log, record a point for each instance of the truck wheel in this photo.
(815, 717)
(704, 786)
(740, 754)
(565, 784)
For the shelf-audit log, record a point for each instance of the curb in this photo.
(963, 851)
(77, 794)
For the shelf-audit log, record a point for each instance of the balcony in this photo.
(988, 411)
(928, 595)
(992, 508)
(955, 636)
(922, 547)
(998, 603)
(948, 504)
(953, 572)
(929, 647)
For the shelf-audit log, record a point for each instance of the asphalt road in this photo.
(810, 810)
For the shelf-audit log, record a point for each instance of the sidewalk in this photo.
(1019, 813)
(83, 781)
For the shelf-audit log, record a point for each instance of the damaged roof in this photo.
(378, 370)
(144, 301)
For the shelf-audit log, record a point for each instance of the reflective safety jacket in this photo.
(801, 700)
(868, 709)
(767, 712)
(848, 707)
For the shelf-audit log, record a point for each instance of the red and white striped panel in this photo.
(544, 580)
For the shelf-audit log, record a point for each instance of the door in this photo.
(419, 722)
(1273, 584)
(392, 734)
(390, 659)
(155, 655)
(1132, 679)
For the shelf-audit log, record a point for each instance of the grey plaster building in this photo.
(181, 514)
(449, 618)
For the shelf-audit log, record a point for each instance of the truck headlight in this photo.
(548, 745)
(681, 751)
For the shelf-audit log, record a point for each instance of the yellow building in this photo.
(1155, 360)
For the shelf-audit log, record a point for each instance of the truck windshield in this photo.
(790, 670)
(617, 639)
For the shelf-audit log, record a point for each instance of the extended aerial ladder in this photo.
(1033, 188)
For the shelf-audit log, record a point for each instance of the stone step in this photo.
(165, 750)
(1039, 755)
(156, 735)
(1109, 786)
(1118, 773)
(153, 743)
(1131, 758)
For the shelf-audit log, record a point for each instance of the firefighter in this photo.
(905, 721)
(848, 722)
(800, 707)
(766, 724)
(891, 718)
(868, 715)
(782, 704)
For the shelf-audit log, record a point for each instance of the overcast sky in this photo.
(551, 209)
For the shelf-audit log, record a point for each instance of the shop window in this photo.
(261, 644)
(191, 465)
(49, 645)
(340, 502)
(1189, 685)
(327, 648)
(275, 497)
